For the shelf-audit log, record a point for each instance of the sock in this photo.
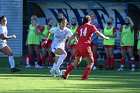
(50, 60)
(132, 61)
(112, 62)
(73, 58)
(86, 72)
(122, 61)
(11, 61)
(30, 57)
(38, 58)
(43, 59)
(95, 59)
(67, 58)
(69, 69)
(108, 62)
(60, 60)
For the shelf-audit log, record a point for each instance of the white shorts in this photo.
(3, 44)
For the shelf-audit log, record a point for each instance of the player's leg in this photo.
(72, 66)
(108, 57)
(30, 54)
(63, 55)
(111, 54)
(6, 50)
(130, 52)
(37, 54)
(44, 51)
(50, 57)
(123, 53)
(94, 49)
(90, 63)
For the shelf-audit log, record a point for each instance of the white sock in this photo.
(60, 60)
(122, 66)
(12, 61)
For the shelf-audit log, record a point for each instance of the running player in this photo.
(127, 42)
(4, 48)
(110, 31)
(95, 39)
(61, 33)
(83, 48)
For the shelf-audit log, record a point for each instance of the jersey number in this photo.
(83, 32)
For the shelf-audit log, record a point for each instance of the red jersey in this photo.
(85, 33)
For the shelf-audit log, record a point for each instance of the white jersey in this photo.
(4, 31)
(60, 37)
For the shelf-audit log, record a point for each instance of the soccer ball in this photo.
(62, 72)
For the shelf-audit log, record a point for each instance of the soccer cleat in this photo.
(120, 69)
(84, 78)
(15, 70)
(27, 66)
(133, 69)
(65, 77)
(52, 72)
(94, 68)
(38, 66)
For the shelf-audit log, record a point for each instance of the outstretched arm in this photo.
(72, 37)
(131, 22)
(3, 37)
(102, 35)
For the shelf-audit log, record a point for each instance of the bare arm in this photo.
(3, 37)
(72, 37)
(102, 35)
(131, 22)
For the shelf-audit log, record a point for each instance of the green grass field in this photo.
(33, 80)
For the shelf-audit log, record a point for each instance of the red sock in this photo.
(67, 58)
(30, 57)
(132, 61)
(86, 72)
(95, 59)
(73, 58)
(38, 58)
(69, 69)
(112, 62)
(50, 59)
(43, 59)
(122, 61)
(108, 62)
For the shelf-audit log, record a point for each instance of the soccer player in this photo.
(46, 47)
(33, 40)
(4, 48)
(83, 48)
(127, 42)
(61, 33)
(110, 31)
(94, 39)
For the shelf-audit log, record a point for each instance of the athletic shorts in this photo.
(72, 46)
(2, 44)
(48, 45)
(108, 46)
(83, 50)
(126, 47)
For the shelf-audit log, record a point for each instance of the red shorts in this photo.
(126, 47)
(72, 46)
(48, 45)
(33, 45)
(83, 50)
(93, 44)
(108, 46)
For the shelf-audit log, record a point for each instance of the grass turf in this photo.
(33, 80)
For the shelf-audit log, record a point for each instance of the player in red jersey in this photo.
(83, 48)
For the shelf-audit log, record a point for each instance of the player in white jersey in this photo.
(61, 33)
(4, 48)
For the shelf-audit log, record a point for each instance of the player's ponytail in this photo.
(86, 19)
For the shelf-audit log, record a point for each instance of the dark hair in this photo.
(62, 19)
(2, 18)
(86, 19)
(47, 20)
